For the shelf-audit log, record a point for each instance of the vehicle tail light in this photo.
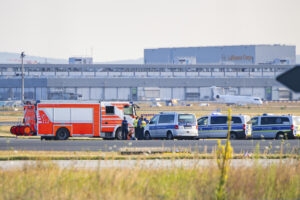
(176, 127)
(244, 126)
(292, 128)
(197, 127)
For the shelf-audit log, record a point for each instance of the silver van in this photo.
(275, 126)
(172, 125)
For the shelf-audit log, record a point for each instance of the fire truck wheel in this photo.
(62, 134)
(119, 134)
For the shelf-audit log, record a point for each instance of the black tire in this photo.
(280, 136)
(170, 136)
(119, 134)
(233, 136)
(147, 135)
(62, 134)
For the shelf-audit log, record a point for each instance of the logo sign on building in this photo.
(291, 78)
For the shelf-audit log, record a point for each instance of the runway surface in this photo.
(272, 146)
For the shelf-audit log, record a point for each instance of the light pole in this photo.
(22, 59)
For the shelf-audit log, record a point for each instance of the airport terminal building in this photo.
(142, 82)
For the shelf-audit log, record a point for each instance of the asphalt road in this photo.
(239, 146)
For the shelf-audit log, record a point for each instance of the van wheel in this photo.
(233, 136)
(62, 134)
(119, 134)
(280, 136)
(147, 136)
(169, 136)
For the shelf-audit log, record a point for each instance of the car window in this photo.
(166, 119)
(154, 119)
(254, 121)
(285, 120)
(203, 121)
(274, 120)
(218, 120)
(266, 120)
(186, 118)
(236, 120)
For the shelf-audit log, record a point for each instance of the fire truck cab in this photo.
(63, 119)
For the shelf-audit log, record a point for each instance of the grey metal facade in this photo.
(243, 54)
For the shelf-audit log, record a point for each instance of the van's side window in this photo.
(274, 120)
(254, 121)
(110, 110)
(285, 120)
(166, 119)
(236, 120)
(219, 120)
(203, 121)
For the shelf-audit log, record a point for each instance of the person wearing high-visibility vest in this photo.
(135, 125)
(143, 124)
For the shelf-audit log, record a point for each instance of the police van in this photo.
(172, 125)
(275, 126)
(216, 126)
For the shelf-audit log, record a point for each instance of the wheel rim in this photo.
(62, 134)
(119, 135)
(169, 136)
(280, 136)
(232, 136)
(147, 136)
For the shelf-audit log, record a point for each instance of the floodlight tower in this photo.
(22, 60)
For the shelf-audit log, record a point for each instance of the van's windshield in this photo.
(186, 118)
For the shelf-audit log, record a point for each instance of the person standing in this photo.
(124, 129)
(135, 125)
(147, 122)
(144, 123)
(139, 129)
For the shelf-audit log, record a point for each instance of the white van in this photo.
(172, 125)
(216, 126)
(275, 126)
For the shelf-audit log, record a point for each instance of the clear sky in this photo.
(121, 29)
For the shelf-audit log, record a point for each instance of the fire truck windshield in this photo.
(129, 110)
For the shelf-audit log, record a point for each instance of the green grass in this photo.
(48, 181)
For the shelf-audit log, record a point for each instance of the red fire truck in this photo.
(63, 119)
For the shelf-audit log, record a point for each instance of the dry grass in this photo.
(11, 118)
(11, 113)
(48, 181)
(90, 155)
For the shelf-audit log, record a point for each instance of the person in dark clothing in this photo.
(140, 128)
(124, 129)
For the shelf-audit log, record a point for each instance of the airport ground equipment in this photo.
(63, 119)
